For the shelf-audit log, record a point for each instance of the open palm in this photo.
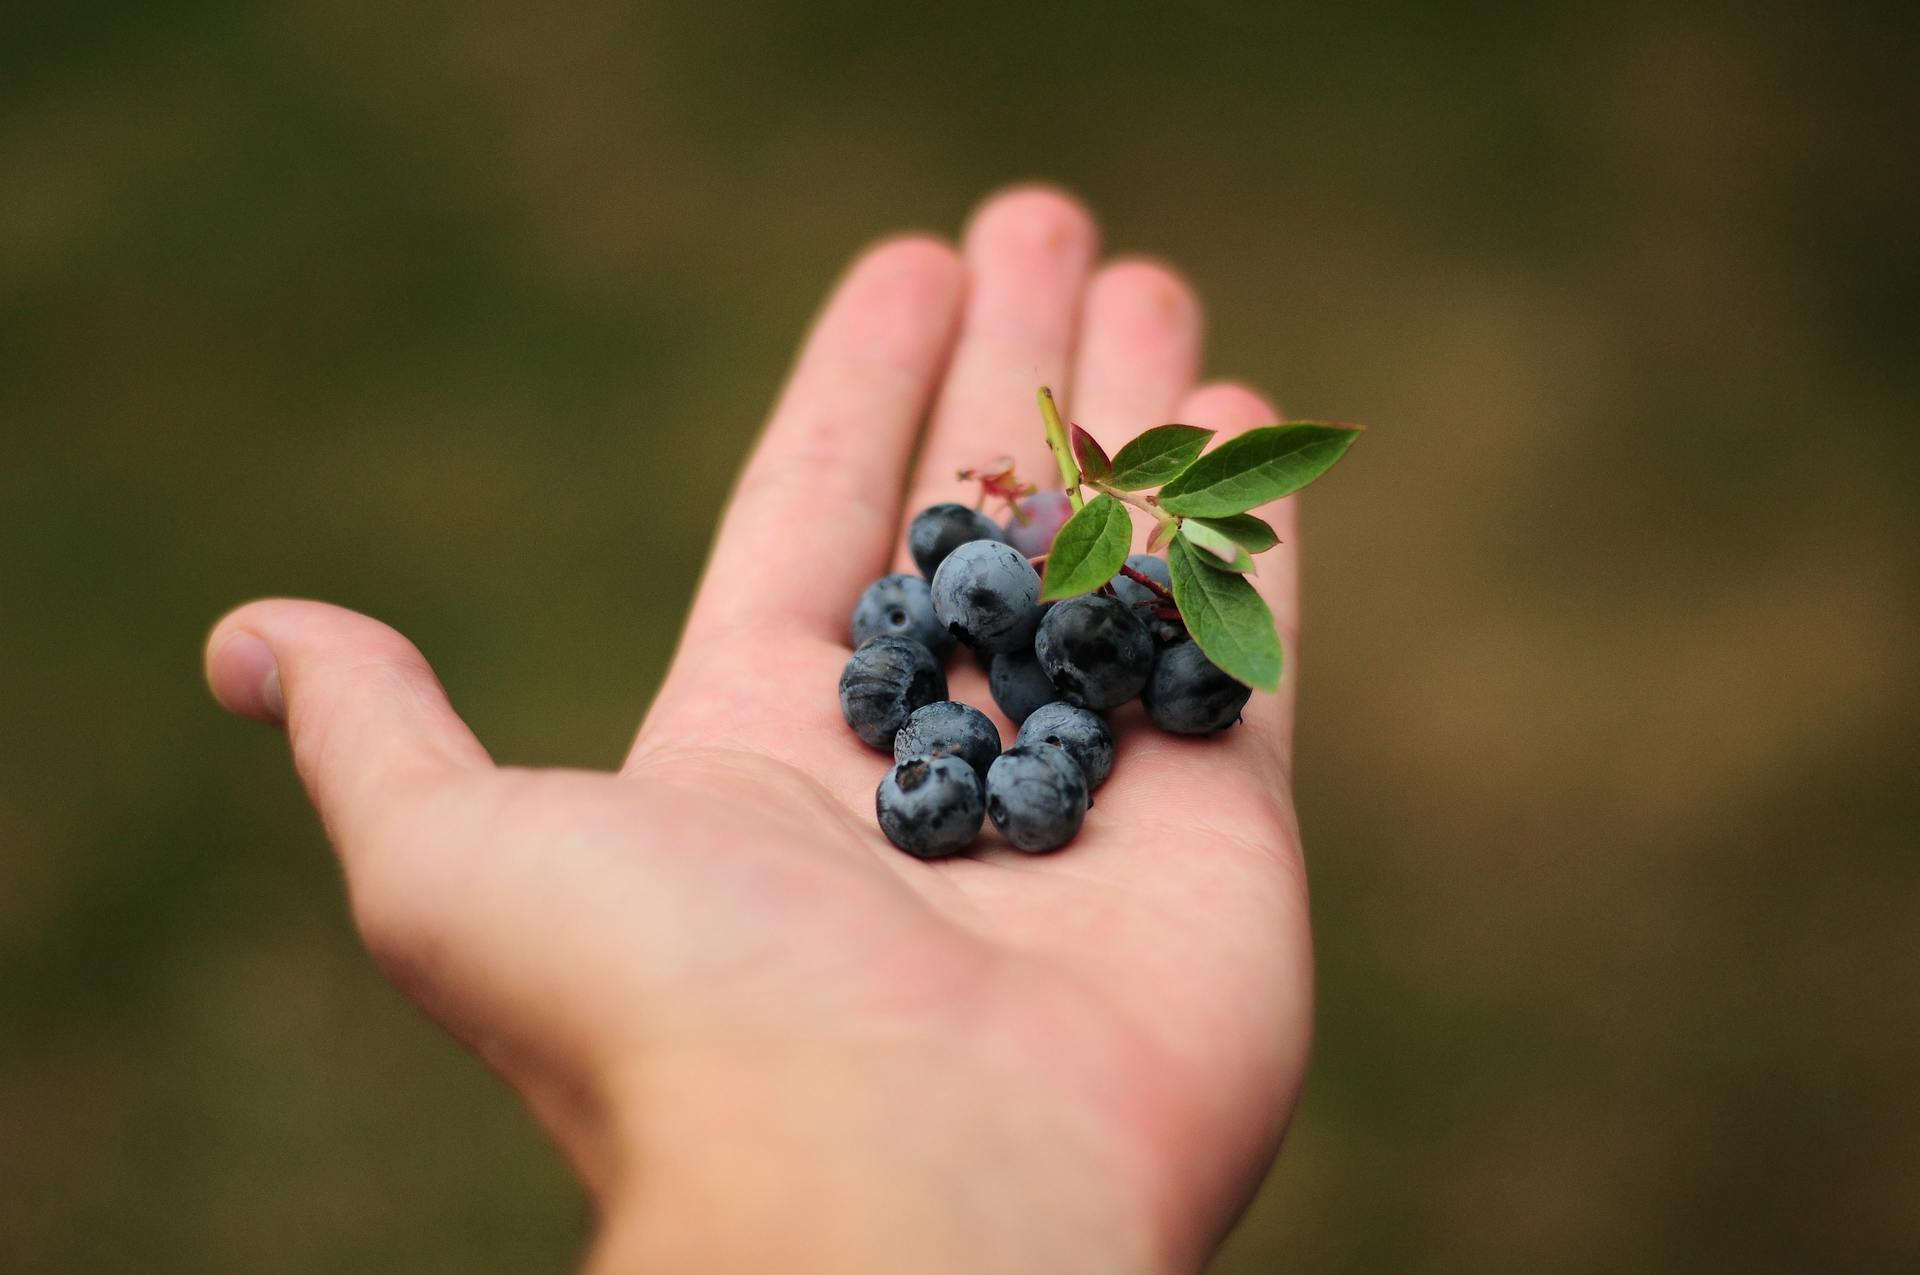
(762, 1033)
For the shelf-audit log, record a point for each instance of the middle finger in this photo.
(1028, 254)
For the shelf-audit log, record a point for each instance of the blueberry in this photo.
(883, 682)
(1019, 684)
(902, 605)
(931, 807)
(1043, 512)
(1142, 599)
(946, 729)
(1036, 797)
(1188, 695)
(938, 530)
(988, 596)
(1095, 649)
(1080, 731)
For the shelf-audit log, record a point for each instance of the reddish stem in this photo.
(1141, 577)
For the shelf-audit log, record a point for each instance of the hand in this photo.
(765, 1038)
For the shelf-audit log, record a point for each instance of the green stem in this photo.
(1061, 447)
(1138, 501)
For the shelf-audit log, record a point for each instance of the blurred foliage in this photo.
(464, 315)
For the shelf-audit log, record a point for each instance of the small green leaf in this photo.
(1088, 549)
(1245, 530)
(1258, 466)
(1091, 457)
(1163, 531)
(1157, 456)
(1225, 554)
(1226, 617)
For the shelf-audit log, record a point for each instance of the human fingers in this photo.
(814, 515)
(1028, 253)
(1141, 329)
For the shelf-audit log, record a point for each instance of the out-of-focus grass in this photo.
(464, 315)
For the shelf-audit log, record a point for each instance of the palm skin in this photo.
(760, 1032)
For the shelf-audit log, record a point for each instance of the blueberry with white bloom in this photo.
(931, 807)
(938, 530)
(1019, 684)
(1189, 695)
(901, 605)
(1036, 797)
(1096, 651)
(988, 596)
(883, 682)
(948, 729)
(1081, 732)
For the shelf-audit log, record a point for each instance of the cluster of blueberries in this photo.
(1053, 669)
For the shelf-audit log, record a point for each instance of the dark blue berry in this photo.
(1095, 650)
(948, 729)
(938, 530)
(1036, 797)
(883, 682)
(1189, 695)
(1080, 731)
(931, 807)
(988, 596)
(901, 605)
(1019, 684)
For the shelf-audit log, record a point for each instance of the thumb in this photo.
(367, 718)
(375, 740)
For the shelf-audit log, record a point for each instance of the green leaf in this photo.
(1258, 466)
(1091, 457)
(1226, 617)
(1088, 549)
(1157, 456)
(1245, 530)
(1225, 554)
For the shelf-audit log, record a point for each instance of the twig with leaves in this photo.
(1201, 514)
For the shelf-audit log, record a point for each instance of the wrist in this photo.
(746, 1163)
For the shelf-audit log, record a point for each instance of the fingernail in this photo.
(251, 678)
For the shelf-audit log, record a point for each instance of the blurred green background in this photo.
(464, 315)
